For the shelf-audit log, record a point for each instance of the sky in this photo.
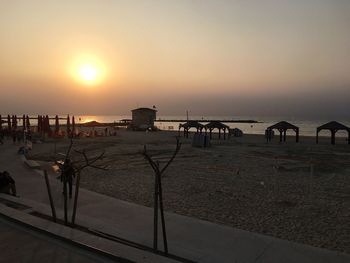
(238, 57)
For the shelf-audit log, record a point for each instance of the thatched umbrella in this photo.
(68, 125)
(57, 125)
(9, 122)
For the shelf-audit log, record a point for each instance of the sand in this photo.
(242, 182)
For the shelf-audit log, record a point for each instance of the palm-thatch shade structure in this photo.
(333, 127)
(191, 124)
(282, 127)
(216, 125)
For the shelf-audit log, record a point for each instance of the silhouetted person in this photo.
(68, 173)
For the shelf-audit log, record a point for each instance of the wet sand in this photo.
(242, 182)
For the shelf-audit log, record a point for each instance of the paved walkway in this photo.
(190, 238)
(35, 247)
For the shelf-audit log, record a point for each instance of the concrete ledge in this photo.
(91, 243)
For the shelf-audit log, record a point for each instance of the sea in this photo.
(306, 127)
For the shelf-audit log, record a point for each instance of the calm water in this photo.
(307, 127)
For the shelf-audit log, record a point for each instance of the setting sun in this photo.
(88, 72)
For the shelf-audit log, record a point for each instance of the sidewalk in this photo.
(190, 238)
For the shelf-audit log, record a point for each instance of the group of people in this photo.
(7, 184)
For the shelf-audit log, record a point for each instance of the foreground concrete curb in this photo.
(100, 246)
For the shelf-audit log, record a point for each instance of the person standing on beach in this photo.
(68, 173)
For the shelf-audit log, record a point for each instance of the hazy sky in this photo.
(210, 57)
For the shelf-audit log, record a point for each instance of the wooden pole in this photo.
(311, 180)
(280, 135)
(53, 210)
(76, 195)
(65, 198)
(155, 215)
(333, 136)
(165, 241)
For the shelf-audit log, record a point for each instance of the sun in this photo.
(88, 72)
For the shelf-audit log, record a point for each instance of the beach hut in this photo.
(191, 124)
(282, 127)
(333, 127)
(143, 118)
(216, 125)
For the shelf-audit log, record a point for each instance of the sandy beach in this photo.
(241, 182)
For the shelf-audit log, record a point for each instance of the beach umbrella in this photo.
(0, 122)
(14, 124)
(27, 123)
(73, 124)
(43, 125)
(57, 125)
(24, 121)
(9, 122)
(68, 125)
(48, 128)
(39, 129)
